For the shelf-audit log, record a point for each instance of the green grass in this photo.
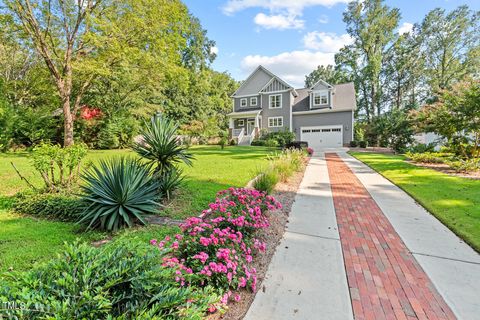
(25, 240)
(454, 201)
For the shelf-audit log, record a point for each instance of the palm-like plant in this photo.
(160, 145)
(117, 193)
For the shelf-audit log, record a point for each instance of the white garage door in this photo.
(322, 137)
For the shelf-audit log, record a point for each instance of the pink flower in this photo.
(212, 308)
(237, 298)
(153, 241)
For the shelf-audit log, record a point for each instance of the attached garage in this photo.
(322, 136)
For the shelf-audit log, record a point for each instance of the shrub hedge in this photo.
(61, 206)
(117, 281)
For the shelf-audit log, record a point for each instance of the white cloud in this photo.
(214, 50)
(278, 21)
(326, 42)
(290, 66)
(323, 19)
(406, 27)
(292, 6)
(283, 14)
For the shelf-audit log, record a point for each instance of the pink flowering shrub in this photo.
(218, 248)
(309, 151)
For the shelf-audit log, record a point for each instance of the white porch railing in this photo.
(238, 132)
(253, 135)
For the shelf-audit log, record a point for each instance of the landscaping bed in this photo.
(445, 168)
(285, 194)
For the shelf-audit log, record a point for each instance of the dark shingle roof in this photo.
(343, 99)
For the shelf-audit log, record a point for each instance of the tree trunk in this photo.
(67, 122)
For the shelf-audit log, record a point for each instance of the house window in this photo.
(243, 102)
(275, 122)
(240, 123)
(253, 101)
(320, 98)
(275, 101)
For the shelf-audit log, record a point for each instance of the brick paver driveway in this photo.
(384, 279)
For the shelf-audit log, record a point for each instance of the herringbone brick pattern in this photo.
(385, 280)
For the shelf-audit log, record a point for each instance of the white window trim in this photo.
(252, 99)
(241, 102)
(320, 94)
(273, 122)
(241, 123)
(270, 101)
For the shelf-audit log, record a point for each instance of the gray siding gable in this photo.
(254, 83)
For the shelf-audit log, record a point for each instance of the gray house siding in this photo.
(238, 108)
(325, 119)
(281, 112)
(254, 84)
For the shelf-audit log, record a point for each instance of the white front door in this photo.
(322, 136)
(250, 126)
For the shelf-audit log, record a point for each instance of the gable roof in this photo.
(321, 82)
(272, 76)
(343, 98)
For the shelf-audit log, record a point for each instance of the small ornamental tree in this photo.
(455, 116)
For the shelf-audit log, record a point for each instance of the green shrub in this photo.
(271, 143)
(464, 165)
(117, 281)
(233, 142)
(60, 206)
(281, 137)
(422, 148)
(266, 181)
(223, 142)
(258, 143)
(58, 167)
(117, 193)
(353, 144)
(427, 157)
(362, 144)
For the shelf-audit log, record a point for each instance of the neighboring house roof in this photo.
(257, 88)
(343, 98)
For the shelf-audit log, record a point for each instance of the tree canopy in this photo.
(126, 58)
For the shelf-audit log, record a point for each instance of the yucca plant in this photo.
(170, 181)
(160, 145)
(117, 193)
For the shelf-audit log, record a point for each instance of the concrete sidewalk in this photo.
(306, 278)
(452, 266)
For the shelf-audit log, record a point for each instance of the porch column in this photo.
(231, 126)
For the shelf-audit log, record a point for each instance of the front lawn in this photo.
(24, 240)
(454, 201)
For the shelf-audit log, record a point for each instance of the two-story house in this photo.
(321, 115)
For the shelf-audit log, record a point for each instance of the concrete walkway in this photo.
(307, 279)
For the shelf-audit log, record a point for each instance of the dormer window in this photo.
(320, 98)
(243, 102)
(253, 101)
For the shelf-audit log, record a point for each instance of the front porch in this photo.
(244, 127)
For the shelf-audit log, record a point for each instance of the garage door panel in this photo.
(323, 137)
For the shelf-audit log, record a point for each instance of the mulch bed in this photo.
(442, 167)
(285, 194)
(373, 150)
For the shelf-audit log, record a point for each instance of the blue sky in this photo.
(289, 37)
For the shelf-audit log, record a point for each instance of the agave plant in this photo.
(117, 193)
(160, 145)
